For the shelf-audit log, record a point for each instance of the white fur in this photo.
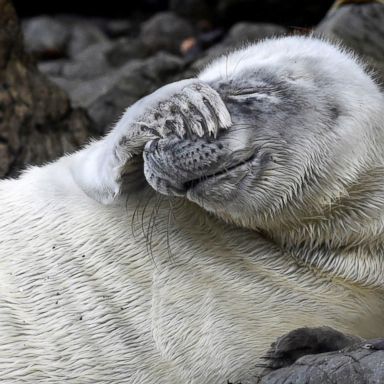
(82, 301)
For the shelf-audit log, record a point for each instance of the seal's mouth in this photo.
(191, 184)
(177, 166)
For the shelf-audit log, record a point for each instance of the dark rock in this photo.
(114, 8)
(45, 37)
(306, 341)
(357, 365)
(359, 27)
(289, 13)
(118, 27)
(165, 31)
(191, 9)
(239, 35)
(292, 13)
(37, 123)
(244, 32)
(302, 358)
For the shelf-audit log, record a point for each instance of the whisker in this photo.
(237, 64)
(151, 226)
(226, 66)
(135, 212)
(143, 214)
(170, 215)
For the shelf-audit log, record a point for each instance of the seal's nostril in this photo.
(191, 184)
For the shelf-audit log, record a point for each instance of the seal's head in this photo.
(305, 120)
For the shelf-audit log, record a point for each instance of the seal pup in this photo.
(257, 189)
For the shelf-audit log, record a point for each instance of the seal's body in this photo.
(147, 286)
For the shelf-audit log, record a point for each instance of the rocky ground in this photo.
(104, 65)
(72, 77)
(323, 356)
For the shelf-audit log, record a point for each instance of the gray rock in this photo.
(60, 36)
(359, 27)
(84, 92)
(45, 36)
(89, 64)
(106, 97)
(96, 60)
(124, 50)
(83, 35)
(52, 67)
(165, 31)
(126, 85)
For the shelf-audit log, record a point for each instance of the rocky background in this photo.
(68, 71)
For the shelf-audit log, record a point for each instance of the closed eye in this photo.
(258, 90)
(258, 95)
(246, 91)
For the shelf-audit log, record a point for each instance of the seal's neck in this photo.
(345, 238)
(359, 266)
